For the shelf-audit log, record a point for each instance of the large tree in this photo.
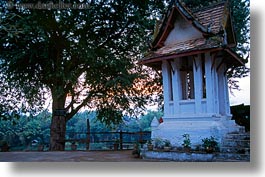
(81, 53)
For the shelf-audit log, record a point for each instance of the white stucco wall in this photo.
(182, 31)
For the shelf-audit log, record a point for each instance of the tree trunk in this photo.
(58, 129)
(58, 124)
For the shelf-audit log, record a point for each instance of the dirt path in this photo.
(70, 156)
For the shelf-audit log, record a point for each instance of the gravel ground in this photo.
(70, 156)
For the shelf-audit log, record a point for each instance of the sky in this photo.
(241, 96)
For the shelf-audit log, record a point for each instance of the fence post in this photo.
(121, 140)
(88, 135)
(141, 138)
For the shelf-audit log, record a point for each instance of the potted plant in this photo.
(136, 150)
(73, 146)
(186, 142)
(210, 144)
(150, 146)
(158, 143)
(167, 145)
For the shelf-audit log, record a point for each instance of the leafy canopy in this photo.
(79, 57)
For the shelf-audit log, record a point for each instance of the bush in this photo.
(210, 144)
(186, 142)
(159, 143)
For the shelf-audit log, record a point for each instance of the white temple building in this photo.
(194, 51)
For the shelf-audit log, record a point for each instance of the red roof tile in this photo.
(209, 20)
(186, 46)
(211, 17)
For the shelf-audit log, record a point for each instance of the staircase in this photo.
(235, 147)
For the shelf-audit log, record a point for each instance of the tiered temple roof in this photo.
(213, 22)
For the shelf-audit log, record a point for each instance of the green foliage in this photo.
(145, 121)
(167, 143)
(149, 142)
(241, 20)
(159, 143)
(22, 131)
(79, 123)
(3, 143)
(186, 142)
(210, 144)
(108, 116)
(88, 54)
(136, 150)
(241, 115)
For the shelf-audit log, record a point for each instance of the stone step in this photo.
(241, 136)
(232, 157)
(238, 150)
(236, 143)
(240, 129)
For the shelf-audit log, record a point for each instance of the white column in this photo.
(166, 87)
(197, 71)
(176, 81)
(221, 89)
(209, 83)
(226, 94)
(215, 86)
(224, 104)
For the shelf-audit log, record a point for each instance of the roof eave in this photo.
(175, 55)
(237, 61)
(237, 58)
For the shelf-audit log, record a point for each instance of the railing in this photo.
(106, 140)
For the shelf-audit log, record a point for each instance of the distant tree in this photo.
(79, 57)
(20, 132)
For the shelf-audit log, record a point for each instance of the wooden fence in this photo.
(107, 140)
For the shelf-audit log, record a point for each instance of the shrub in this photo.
(186, 142)
(159, 143)
(210, 144)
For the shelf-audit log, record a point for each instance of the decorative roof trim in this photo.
(236, 62)
(231, 25)
(234, 55)
(175, 55)
(184, 12)
(163, 32)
